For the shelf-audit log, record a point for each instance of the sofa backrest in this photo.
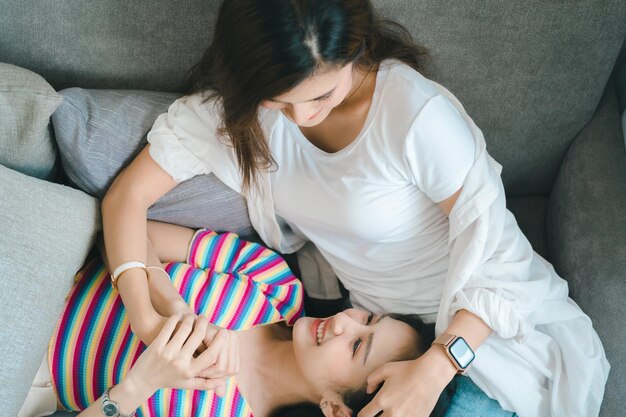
(530, 73)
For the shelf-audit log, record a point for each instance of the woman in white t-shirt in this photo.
(317, 113)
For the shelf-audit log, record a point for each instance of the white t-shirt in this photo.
(369, 208)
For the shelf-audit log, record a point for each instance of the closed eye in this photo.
(358, 342)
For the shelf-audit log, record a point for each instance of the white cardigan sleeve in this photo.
(544, 357)
(179, 139)
(489, 270)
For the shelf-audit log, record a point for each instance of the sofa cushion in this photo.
(530, 73)
(586, 225)
(46, 232)
(624, 126)
(100, 131)
(26, 103)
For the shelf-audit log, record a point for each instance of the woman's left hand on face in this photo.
(410, 388)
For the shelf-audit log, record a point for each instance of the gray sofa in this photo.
(545, 80)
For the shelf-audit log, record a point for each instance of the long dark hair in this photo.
(262, 49)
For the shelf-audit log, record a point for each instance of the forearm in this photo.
(165, 298)
(471, 328)
(125, 239)
(128, 394)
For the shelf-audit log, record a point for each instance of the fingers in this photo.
(210, 356)
(166, 331)
(220, 391)
(235, 355)
(208, 338)
(211, 331)
(221, 366)
(195, 339)
(210, 335)
(203, 384)
(376, 378)
(201, 348)
(373, 409)
(182, 333)
(228, 361)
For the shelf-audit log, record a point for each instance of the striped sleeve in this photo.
(235, 283)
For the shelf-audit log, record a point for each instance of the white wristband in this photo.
(125, 267)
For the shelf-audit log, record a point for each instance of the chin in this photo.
(317, 120)
(301, 334)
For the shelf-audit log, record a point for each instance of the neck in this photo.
(357, 85)
(274, 375)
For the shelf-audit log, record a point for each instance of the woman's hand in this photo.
(228, 357)
(170, 360)
(410, 388)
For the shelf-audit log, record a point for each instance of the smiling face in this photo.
(339, 352)
(310, 102)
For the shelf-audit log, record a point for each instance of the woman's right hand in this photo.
(170, 360)
(228, 360)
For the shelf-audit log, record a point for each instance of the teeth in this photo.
(320, 332)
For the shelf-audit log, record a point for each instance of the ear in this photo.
(332, 405)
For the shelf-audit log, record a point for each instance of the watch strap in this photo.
(106, 400)
(446, 340)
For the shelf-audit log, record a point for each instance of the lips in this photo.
(315, 115)
(318, 329)
(314, 327)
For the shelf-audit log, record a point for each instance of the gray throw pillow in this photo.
(46, 231)
(26, 103)
(99, 132)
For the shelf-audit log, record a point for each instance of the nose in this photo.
(342, 323)
(301, 112)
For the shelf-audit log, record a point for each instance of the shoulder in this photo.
(199, 107)
(405, 88)
(404, 97)
(204, 110)
(435, 135)
(271, 122)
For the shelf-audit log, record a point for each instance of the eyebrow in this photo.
(370, 338)
(316, 98)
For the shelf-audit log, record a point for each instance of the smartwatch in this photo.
(460, 353)
(110, 407)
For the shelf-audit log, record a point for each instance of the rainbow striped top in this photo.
(236, 284)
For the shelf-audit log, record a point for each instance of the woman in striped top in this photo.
(236, 285)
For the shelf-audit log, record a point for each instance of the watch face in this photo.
(461, 352)
(109, 410)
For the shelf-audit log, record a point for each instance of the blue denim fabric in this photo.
(467, 400)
